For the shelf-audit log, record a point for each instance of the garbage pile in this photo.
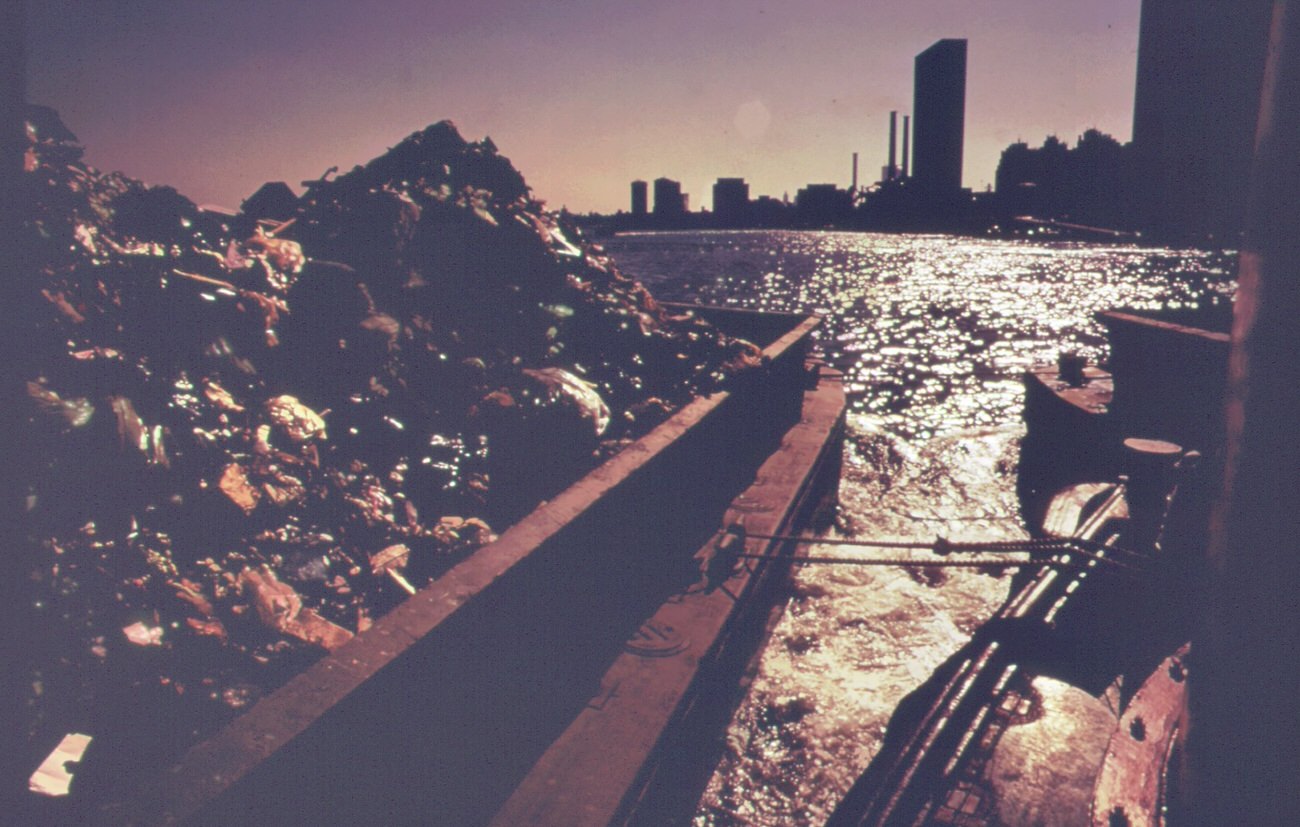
(244, 440)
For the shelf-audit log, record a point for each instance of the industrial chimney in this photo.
(891, 171)
(907, 129)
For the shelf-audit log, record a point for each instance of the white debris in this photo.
(52, 777)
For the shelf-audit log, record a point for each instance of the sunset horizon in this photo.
(584, 99)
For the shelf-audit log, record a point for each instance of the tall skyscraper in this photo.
(668, 197)
(939, 118)
(1200, 64)
(639, 202)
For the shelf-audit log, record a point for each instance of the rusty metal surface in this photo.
(1168, 379)
(1042, 769)
(1132, 785)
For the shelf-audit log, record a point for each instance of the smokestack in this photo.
(907, 142)
(893, 140)
(855, 173)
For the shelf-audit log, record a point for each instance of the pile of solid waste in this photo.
(243, 438)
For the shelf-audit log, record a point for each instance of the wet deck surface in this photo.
(1042, 771)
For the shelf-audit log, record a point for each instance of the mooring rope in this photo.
(941, 546)
(898, 561)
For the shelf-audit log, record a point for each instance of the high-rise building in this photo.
(730, 200)
(1200, 65)
(939, 118)
(669, 200)
(639, 202)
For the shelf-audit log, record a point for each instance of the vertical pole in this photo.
(13, 144)
(13, 101)
(854, 188)
(893, 141)
(1243, 744)
(907, 144)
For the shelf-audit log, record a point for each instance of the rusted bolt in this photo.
(1138, 729)
(1177, 672)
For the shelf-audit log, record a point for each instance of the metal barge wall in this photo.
(1164, 380)
(439, 711)
(1169, 379)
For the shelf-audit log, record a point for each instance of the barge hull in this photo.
(438, 712)
(640, 750)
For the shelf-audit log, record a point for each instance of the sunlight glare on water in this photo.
(932, 334)
(921, 324)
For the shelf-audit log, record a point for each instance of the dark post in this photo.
(907, 143)
(12, 488)
(1244, 688)
(893, 141)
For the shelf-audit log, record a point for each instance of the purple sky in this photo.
(215, 97)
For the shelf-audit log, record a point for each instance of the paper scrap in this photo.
(52, 776)
(142, 635)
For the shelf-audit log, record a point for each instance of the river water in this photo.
(932, 334)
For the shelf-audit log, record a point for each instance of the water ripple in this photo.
(923, 325)
(932, 334)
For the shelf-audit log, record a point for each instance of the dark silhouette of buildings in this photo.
(1092, 184)
(931, 198)
(669, 201)
(822, 205)
(639, 202)
(730, 202)
(1200, 64)
(924, 193)
(766, 211)
(939, 112)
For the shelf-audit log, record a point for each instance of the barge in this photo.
(577, 670)
(1057, 712)
(1164, 380)
(209, 545)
